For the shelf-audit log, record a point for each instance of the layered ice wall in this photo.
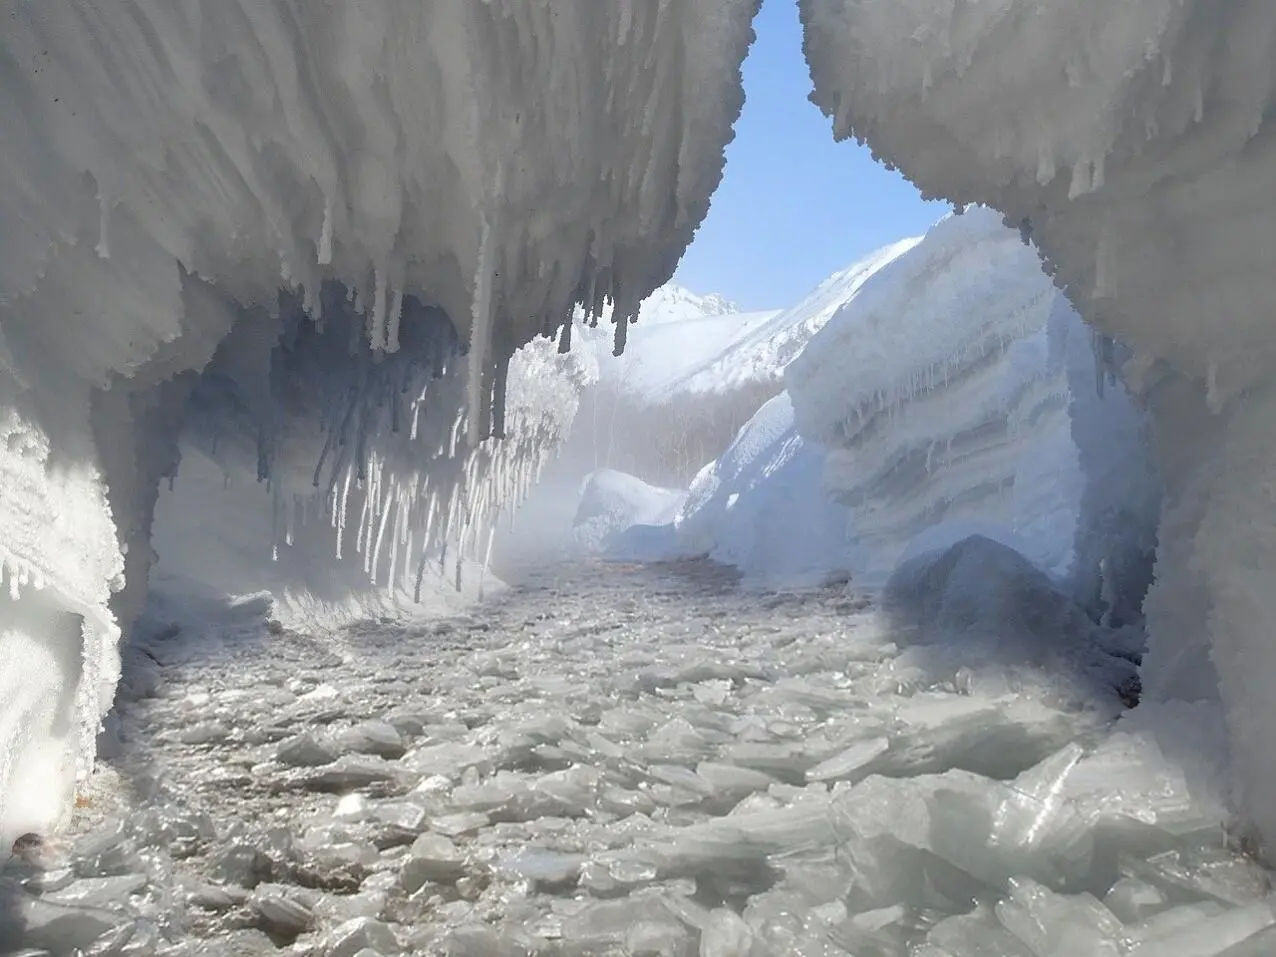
(168, 168)
(1133, 142)
(959, 392)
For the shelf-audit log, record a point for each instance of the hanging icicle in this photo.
(499, 396)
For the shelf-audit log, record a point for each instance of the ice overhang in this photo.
(1130, 139)
(502, 160)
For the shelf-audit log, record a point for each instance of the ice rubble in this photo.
(1131, 141)
(169, 169)
(656, 766)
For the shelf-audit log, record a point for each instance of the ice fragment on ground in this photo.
(304, 751)
(205, 732)
(976, 934)
(847, 763)
(449, 759)
(1209, 872)
(60, 928)
(98, 891)
(238, 864)
(1261, 944)
(432, 858)
(725, 934)
(280, 912)
(458, 825)
(358, 934)
(546, 868)
(350, 772)
(373, 737)
(1200, 935)
(1133, 900)
(1053, 925)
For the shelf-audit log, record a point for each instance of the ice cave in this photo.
(299, 300)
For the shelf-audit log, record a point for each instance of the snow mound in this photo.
(953, 392)
(760, 508)
(612, 502)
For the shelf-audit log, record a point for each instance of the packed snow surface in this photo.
(611, 760)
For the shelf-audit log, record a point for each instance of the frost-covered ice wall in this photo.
(959, 391)
(1133, 142)
(168, 168)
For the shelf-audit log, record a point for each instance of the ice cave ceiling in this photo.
(167, 167)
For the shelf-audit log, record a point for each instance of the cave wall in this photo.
(1132, 142)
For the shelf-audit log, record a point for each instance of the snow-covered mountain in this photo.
(677, 333)
(765, 349)
(686, 344)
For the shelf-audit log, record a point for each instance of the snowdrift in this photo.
(760, 507)
(1133, 143)
(612, 502)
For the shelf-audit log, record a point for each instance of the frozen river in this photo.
(619, 760)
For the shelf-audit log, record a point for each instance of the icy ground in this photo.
(630, 760)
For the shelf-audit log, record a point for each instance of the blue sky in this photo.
(793, 206)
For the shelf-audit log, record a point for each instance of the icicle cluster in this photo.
(377, 444)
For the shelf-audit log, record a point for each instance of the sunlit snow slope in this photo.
(350, 215)
(1133, 141)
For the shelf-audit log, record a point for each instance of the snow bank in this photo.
(167, 170)
(612, 502)
(947, 389)
(1132, 141)
(760, 508)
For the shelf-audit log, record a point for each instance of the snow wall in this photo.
(300, 243)
(960, 392)
(1133, 142)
